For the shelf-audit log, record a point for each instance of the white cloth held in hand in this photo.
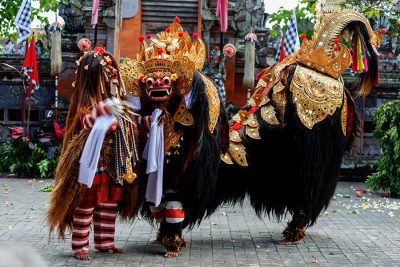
(154, 154)
(91, 152)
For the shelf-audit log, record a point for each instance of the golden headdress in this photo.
(318, 53)
(171, 51)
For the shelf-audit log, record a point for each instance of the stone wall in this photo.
(11, 89)
(77, 17)
(363, 158)
(241, 15)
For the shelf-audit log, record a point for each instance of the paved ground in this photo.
(361, 231)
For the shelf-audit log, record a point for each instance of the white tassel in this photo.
(249, 65)
(55, 52)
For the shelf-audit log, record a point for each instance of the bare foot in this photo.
(286, 242)
(82, 256)
(171, 254)
(113, 250)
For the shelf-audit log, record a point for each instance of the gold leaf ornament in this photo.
(315, 95)
(131, 71)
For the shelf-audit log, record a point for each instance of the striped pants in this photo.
(171, 209)
(169, 214)
(103, 217)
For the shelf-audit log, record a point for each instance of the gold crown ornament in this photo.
(324, 52)
(166, 63)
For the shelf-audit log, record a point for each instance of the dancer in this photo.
(96, 177)
(186, 126)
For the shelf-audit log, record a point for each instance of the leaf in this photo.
(47, 188)
(313, 8)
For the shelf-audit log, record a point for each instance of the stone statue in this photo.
(215, 69)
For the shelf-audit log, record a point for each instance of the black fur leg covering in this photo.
(161, 232)
(174, 243)
(172, 239)
(293, 233)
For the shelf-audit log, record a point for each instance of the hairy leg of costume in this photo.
(104, 227)
(174, 216)
(80, 233)
(295, 231)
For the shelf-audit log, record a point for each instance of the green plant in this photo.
(6, 160)
(9, 10)
(25, 159)
(305, 13)
(387, 130)
(47, 188)
(47, 167)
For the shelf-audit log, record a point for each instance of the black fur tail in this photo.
(291, 168)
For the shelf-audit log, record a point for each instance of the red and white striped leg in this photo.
(104, 226)
(158, 212)
(80, 230)
(174, 212)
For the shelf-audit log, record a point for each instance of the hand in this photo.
(114, 126)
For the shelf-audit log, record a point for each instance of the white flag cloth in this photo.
(23, 21)
(91, 152)
(291, 42)
(95, 12)
(154, 154)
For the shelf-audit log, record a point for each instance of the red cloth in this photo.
(104, 189)
(30, 68)
(59, 132)
(222, 14)
(282, 48)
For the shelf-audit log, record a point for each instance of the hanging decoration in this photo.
(56, 64)
(222, 14)
(30, 71)
(249, 57)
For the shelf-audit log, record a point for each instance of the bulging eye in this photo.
(149, 81)
(166, 80)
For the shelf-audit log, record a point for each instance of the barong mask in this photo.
(165, 65)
